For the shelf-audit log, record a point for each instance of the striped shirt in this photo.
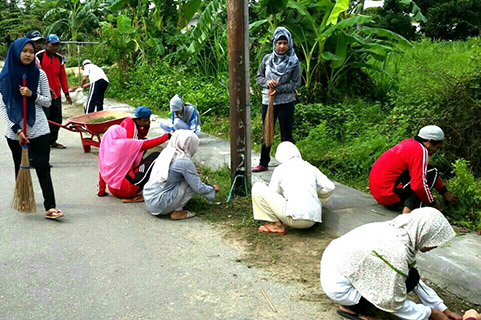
(40, 127)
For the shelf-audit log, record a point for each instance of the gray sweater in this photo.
(160, 196)
(286, 84)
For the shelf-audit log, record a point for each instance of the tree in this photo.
(451, 19)
(396, 17)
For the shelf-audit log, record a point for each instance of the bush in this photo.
(155, 85)
(467, 212)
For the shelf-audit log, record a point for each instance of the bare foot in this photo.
(275, 227)
(179, 215)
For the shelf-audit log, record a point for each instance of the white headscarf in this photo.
(287, 151)
(397, 241)
(183, 143)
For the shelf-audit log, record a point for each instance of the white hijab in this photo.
(183, 143)
(397, 241)
(287, 151)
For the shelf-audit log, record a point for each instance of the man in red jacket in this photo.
(52, 63)
(403, 175)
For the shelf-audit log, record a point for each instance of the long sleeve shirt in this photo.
(299, 182)
(42, 100)
(285, 87)
(55, 69)
(408, 154)
(146, 145)
(160, 196)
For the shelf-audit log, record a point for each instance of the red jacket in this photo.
(55, 70)
(133, 132)
(127, 189)
(408, 154)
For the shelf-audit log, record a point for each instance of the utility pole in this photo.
(239, 99)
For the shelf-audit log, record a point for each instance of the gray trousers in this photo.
(184, 194)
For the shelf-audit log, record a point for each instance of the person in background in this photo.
(174, 178)
(184, 117)
(471, 315)
(52, 63)
(292, 197)
(121, 163)
(372, 266)
(279, 75)
(403, 175)
(138, 127)
(21, 60)
(38, 42)
(97, 86)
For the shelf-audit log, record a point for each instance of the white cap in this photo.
(431, 133)
(86, 61)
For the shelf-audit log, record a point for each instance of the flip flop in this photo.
(266, 229)
(54, 214)
(133, 200)
(348, 315)
(190, 214)
(57, 145)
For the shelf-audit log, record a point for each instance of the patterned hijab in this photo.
(183, 143)
(281, 64)
(397, 242)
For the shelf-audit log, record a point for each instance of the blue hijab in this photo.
(281, 64)
(11, 78)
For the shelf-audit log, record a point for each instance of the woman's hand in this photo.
(22, 138)
(450, 198)
(271, 84)
(216, 188)
(24, 91)
(437, 315)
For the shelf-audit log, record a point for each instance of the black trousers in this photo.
(96, 96)
(411, 282)
(402, 188)
(141, 173)
(285, 114)
(39, 154)
(54, 113)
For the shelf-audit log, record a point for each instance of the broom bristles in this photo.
(269, 122)
(23, 197)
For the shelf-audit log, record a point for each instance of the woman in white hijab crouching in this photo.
(372, 266)
(174, 178)
(184, 117)
(292, 197)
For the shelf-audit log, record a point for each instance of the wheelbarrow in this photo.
(85, 126)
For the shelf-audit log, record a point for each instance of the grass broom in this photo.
(23, 197)
(269, 121)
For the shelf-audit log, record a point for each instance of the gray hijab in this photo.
(397, 241)
(281, 64)
(177, 104)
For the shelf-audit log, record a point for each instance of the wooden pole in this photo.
(239, 90)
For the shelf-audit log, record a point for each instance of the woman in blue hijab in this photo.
(20, 62)
(280, 73)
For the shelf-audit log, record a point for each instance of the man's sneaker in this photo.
(259, 168)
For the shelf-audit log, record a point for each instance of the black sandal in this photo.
(352, 316)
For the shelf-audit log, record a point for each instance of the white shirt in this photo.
(299, 182)
(94, 72)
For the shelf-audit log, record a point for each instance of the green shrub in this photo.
(467, 211)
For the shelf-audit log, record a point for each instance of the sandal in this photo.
(57, 145)
(189, 214)
(55, 214)
(264, 228)
(347, 315)
(133, 200)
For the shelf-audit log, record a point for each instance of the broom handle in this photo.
(25, 106)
